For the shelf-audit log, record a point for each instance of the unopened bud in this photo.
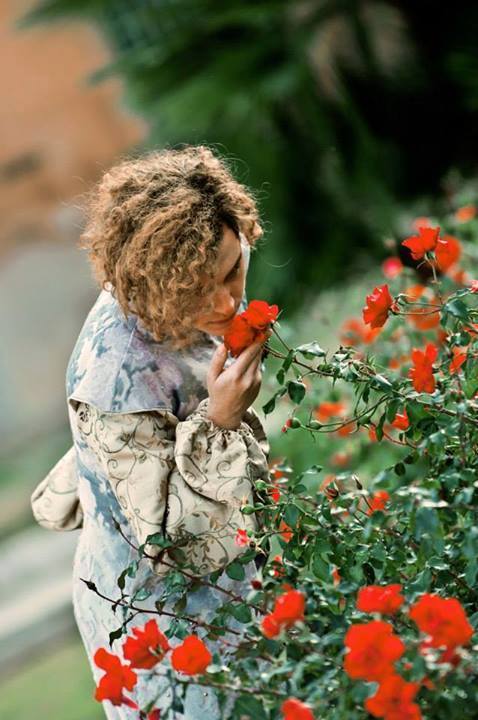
(357, 482)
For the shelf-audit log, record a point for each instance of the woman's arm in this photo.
(184, 480)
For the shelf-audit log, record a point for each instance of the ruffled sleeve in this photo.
(185, 480)
(55, 503)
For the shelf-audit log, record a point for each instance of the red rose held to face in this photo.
(250, 326)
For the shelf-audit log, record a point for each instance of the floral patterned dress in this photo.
(146, 458)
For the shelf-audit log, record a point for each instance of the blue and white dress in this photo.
(146, 456)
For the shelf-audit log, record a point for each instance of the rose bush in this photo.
(369, 601)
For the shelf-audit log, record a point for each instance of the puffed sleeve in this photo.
(55, 503)
(186, 480)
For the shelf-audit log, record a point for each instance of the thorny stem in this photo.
(232, 595)
(370, 373)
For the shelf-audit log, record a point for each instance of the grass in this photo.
(57, 686)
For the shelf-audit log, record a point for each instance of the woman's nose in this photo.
(225, 304)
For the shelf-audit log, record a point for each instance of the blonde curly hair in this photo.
(153, 226)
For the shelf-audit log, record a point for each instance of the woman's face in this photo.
(229, 285)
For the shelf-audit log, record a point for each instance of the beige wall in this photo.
(57, 134)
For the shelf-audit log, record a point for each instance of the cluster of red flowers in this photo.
(288, 609)
(373, 648)
(250, 326)
(147, 647)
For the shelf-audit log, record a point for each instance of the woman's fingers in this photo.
(217, 363)
(247, 357)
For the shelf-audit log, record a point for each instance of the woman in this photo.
(165, 440)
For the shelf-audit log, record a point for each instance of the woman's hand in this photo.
(232, 391)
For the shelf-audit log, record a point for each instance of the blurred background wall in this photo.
(59, 134)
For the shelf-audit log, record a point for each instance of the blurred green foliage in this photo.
(332, 111)
(58, 685)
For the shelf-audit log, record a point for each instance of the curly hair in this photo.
(153, 226)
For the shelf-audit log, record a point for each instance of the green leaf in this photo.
(248, 707)
(379, 382)
(241, 612)
(288, 361)
(311, 350)
(159, 540)
(235, 571)
(291, 515)
(296, 391)
(457, 308)
(269, 406)
(321, 568)
(392, 409)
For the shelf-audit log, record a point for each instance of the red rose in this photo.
(147, 648)
(394, 700)
(289, 607)
(191, 657)
(424, 242)
(465, 213)
(260, 314)
(459, 357)
(269, 626)
(294, 709)
(378, 501)
(118, 677)
(401, 421)
(354, 332)
(241, 538)
(447, 252)
(239, 335)
(377, 306)
(250, 326)
(382, 599)
(327, 409)
(372, 650)
(444, 620)
(421, 373)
